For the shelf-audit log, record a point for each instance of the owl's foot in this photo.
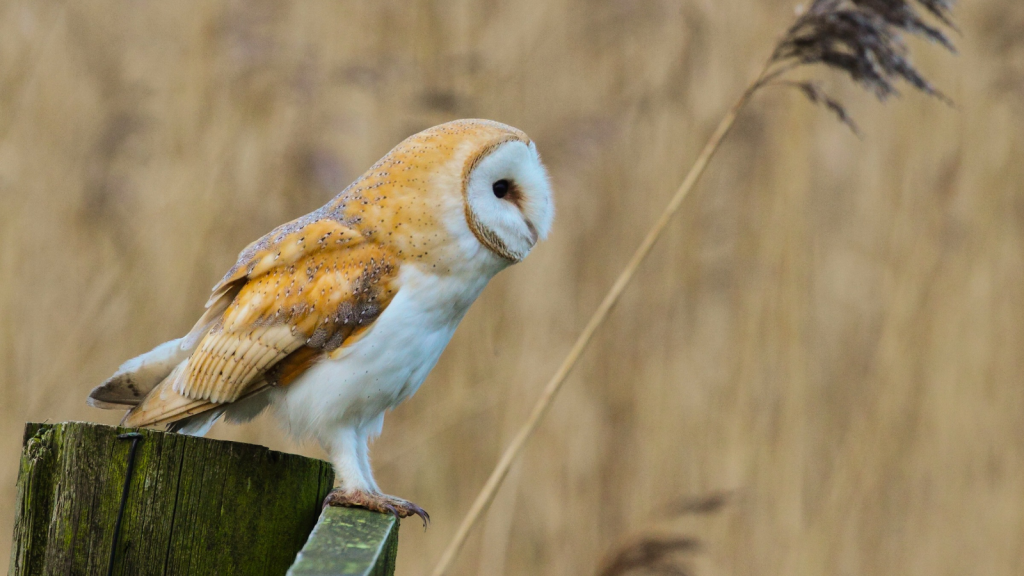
(377, 502)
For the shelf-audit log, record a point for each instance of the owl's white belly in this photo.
(387, 365)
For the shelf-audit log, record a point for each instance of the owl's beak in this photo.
(533, 233)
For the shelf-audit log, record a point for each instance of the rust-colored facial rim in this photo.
(485, 235)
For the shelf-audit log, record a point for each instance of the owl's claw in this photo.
(376, 502)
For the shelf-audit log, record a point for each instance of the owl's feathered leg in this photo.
(350, 456)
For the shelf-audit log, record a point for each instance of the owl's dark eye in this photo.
(500, 188)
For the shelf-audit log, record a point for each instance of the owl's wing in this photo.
(298, 293)
(284, 246)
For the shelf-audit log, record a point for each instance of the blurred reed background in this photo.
(829, 341)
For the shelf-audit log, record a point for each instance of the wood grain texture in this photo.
(195, 506)
(349, 542)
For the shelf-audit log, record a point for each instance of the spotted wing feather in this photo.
(293, 298)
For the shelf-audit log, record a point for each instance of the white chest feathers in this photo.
(387, 365)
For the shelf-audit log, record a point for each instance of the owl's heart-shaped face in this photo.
(508, 198)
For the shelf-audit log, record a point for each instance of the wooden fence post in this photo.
(190, 506)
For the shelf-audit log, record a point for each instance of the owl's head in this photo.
(451, 193)
(507, 196)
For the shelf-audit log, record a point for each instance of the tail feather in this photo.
(137, 377)
(163, 405)
(197, 425)
(166, 407)
(243, 410)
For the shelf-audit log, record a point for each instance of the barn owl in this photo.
(336, 317)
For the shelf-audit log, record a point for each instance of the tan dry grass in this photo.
(831, 332)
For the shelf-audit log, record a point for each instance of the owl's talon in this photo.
(376, 502)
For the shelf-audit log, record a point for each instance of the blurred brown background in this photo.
(831, 335)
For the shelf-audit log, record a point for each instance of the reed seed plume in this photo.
(859, 38)
(863, 40)
(651, 554)
(659, 553)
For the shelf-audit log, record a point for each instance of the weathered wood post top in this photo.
(98, 500)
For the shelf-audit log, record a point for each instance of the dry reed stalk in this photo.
(859, 38)
(489, 490)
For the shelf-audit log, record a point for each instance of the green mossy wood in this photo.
(349, 542)
(194, 506)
